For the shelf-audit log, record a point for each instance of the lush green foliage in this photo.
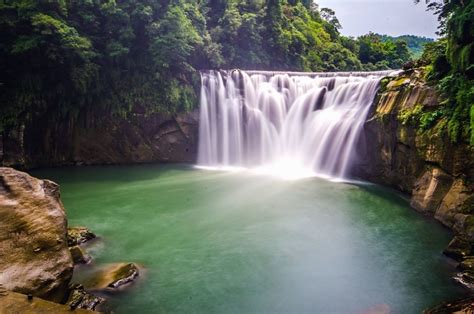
(415, 44)
(65, 57)
(376, 53)
(450, 66)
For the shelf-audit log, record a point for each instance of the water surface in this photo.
(216, 242)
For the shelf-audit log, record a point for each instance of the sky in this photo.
(391, 17)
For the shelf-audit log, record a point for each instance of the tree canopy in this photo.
(63, 57)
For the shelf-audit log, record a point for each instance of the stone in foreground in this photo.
(79, 256)
(113, 277)
(79, 298)
(12, 302)
(34, 256)
(79, 235)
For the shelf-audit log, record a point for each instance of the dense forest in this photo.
(63, 57)
(416, 44)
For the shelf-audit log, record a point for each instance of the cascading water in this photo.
(290, 124)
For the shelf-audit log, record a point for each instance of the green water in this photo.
(214, 242)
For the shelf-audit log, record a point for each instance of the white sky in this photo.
(391, 17)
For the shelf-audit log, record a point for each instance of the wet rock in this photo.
(79, 235)
(465, 278)
(458, 248)
(462, 306)
(467, 263)
(34, 257)
(16, 303)
(113, 276)
(79, 256)
(79, 298)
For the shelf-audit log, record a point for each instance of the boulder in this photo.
(465, 278)
(79, 298)
(34, 256)
(113, 276)
(79, 256)
(458, 248)
(79, 235)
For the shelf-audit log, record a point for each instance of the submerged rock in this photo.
(79, 235)
(113, 276)
(34, 256)
(458, 248)
(79, 298)
(79, 256)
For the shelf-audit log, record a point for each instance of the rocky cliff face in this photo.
(34, 255)
(396, 150)
(40, 141)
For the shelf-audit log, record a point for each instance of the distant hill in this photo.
(415, 43)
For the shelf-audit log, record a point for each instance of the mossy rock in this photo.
(398, 83)
(113, 276)
(79, 298)
(79, 235)
(384, 82)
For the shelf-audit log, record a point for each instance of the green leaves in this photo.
(173, 41)
(59, 32)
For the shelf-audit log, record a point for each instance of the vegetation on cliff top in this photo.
(65, 57)
(450, 67)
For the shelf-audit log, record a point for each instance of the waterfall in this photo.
(285, 123)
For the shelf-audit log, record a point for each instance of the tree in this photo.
(330, 16)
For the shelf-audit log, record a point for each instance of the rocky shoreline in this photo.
(38, 252)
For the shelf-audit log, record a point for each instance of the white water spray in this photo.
(288, 124)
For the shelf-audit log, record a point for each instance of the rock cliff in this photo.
(400, 149)
(41, 141)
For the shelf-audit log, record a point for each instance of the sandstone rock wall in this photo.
(395, 151)
(34, 255)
